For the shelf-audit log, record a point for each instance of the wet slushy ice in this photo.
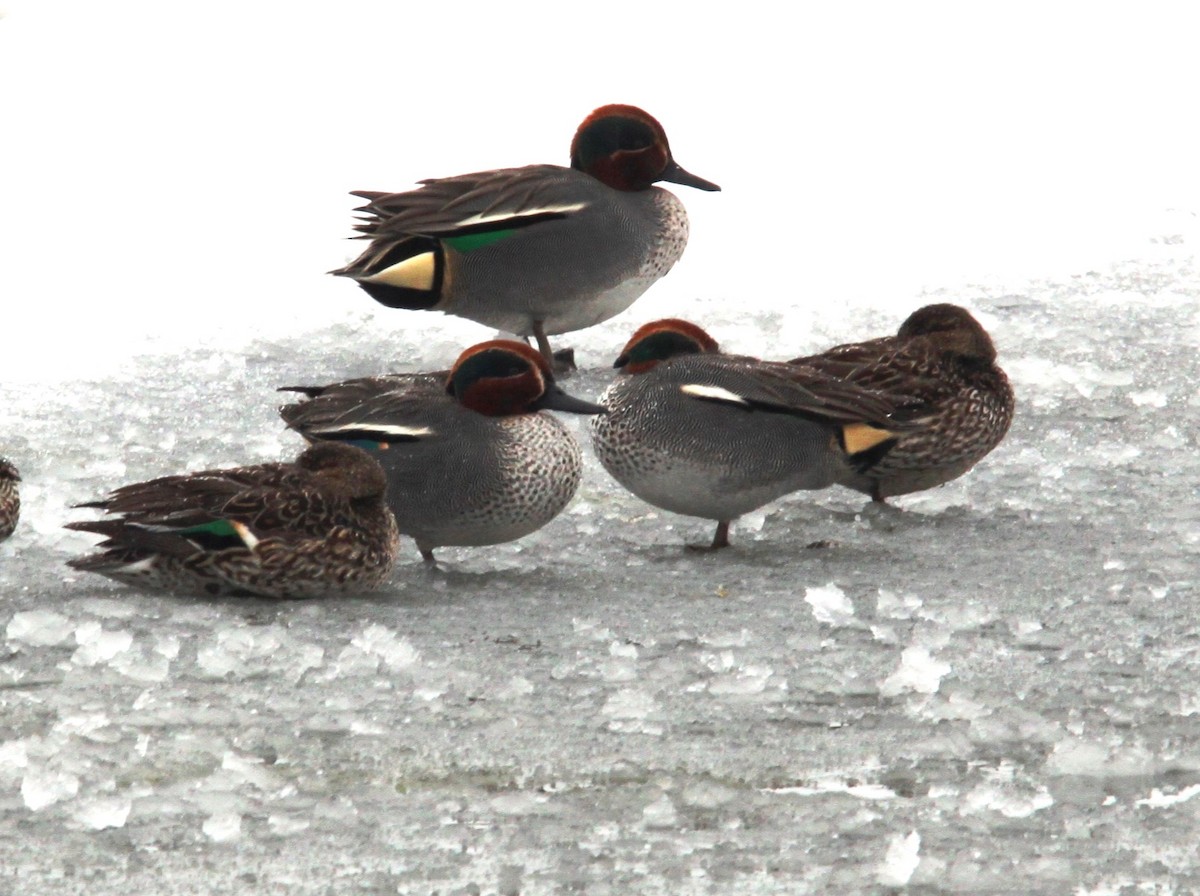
(988, 688)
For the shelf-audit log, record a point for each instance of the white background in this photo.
(176, 173)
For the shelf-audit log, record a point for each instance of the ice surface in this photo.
(987, 688)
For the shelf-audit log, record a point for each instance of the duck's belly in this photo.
(702, 460)
(570, 275)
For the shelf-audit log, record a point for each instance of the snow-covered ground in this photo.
(990, 688)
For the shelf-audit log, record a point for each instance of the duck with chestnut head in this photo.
(538, 250)
(472, 457)
(702, 433)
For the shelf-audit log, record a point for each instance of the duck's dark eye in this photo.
(487, 365)
(614, 134)
(660, 346)
(609, 136)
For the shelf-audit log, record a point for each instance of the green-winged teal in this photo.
(10, 498)
(538, 250)
(319, 526)
(701, 433)
(470, 457)
(941, 364)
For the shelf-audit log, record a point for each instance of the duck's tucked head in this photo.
(660, 340)
(951, 328)
(504, 377)
(8, 471)
(626, 148)
(344, 470)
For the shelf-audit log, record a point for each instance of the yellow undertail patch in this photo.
(417, 273)
(859, 437)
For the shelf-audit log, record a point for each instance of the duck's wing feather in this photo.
(503, 199)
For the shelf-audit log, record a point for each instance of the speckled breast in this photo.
(704, 459)
(495, 489)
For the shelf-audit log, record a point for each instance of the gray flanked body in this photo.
(604, 257)
(592, 252)
(479, 480)
(10, 499)
(707, 457)
(456, 476)
(538, 250)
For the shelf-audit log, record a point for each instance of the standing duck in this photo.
(316, 527)
(942, 364)
(10, 498)
(538, 250)
(701, 433)
(469, 455)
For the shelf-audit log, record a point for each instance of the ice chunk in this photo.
(918, 671)
(1153, 398)
(901, 861)
(285, 825)
(517, 686)
(629, 704)
(747, 680)
(137, 665)
(14, 756)
(660, 813)
(223, 826)
(383, 642)
(247, 650)
(99, 646)
(621, 649)
(249, 770)
(709, 795)
(1160, 800)
(1008, 801)
(835, 784)
(829, 604)
(104, 812)
(725, 640)
(39, 628)
(1078, 756)
(42, 787)
(522, 802)
(896, 606)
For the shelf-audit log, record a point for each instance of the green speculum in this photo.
(471, 241)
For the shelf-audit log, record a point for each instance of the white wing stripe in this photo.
(714, 393)
(383, 429)
(484, 218)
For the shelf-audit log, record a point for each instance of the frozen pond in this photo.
(990, 688)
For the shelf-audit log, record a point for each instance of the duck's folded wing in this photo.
(370, 409)
(503, 199)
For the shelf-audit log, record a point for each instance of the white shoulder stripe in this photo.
(381, 429)
(713, 393)
(485, 218)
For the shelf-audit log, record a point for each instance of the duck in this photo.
(941, 365)
(315, 527)
(472, 457)
(10, 498)
(702, 433)
(538, 250)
